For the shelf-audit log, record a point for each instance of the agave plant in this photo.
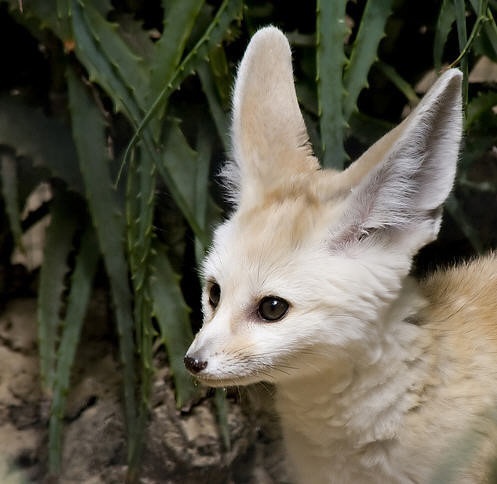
(138, 75)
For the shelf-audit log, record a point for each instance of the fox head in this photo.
(311, 259)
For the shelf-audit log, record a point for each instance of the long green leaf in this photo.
(460, 11)
(92, 33)
(140, 199)
(364, 51)
(218, 115)
(190, 171)
(81, 284)
(127, 66)
(228, 11)
(486, 39)
(89, 31)
(221, 75)
(446, 19)
(177, 26)
(206, 210)
(49, 14)
(400, 83)
(490, 35)
(465, 45)
(222, 408)
(478, 106)
(181, 162)
(46, 141)
(89, 136)
(214, 34)
(331, 31)
(173, 318)
(475, 4)
(58, 245)
(9, 187)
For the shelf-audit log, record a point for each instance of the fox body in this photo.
(378, 376)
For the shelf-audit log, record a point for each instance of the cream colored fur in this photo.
(378, 376)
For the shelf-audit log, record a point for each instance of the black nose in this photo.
(194, 365)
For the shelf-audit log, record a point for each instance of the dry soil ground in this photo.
(181, 446)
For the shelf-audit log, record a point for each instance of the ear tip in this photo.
(268, 50)
(269, 36)
(447, 89)
(452, 76)
(268, 30)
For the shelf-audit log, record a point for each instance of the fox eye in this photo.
(214, 294)
(272, 308)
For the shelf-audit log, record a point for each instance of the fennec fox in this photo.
(307, 285)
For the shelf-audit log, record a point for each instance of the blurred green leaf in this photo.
(89, 136)
(488, 37)
(108, 59)
(331, 30)
(58, 246)
(218, 115)
(479, 106)
(77, 302)
(46, 141)
(445, 21)
(229, 11)
(173, 318)
(50, 14)
(364, 51)
(9, 187)
(223, 79)
(140, 201)
(181, 163)
(178, 23)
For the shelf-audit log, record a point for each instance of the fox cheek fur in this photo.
(307, 286)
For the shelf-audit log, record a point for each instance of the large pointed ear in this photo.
(399, 185)
(269, 138)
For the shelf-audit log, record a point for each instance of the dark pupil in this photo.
(272, 308)
(214, 294)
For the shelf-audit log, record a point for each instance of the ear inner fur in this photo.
(402, 181)
(448, 87)
(270, 141)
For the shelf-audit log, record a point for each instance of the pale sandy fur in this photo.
(432, 392)
(462, 321)
(379, 378)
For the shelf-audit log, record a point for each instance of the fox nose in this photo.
(194, 365)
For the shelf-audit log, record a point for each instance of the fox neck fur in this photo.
(360, 398)
(373, 421)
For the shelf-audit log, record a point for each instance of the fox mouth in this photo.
(227, 380)
(217, 382)
(224, 372)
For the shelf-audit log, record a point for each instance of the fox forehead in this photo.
(272, 232)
